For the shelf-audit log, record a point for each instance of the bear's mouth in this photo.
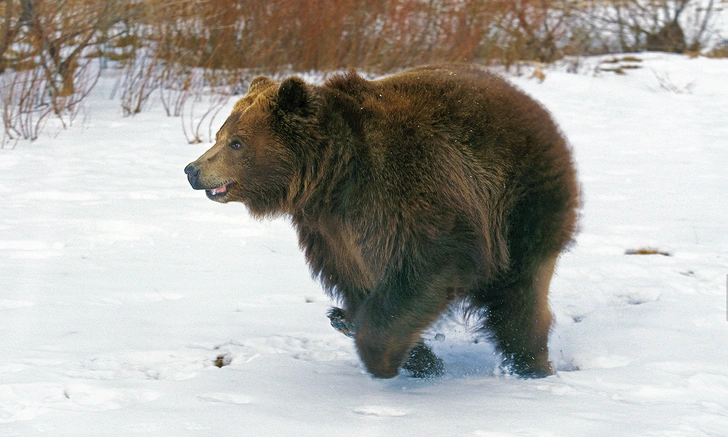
(220, 191)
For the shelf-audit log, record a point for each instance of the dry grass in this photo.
(647, 251)
(719, 52)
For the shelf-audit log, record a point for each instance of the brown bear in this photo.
(436, 186)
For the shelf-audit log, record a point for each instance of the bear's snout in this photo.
(193, 173)
(217, 189)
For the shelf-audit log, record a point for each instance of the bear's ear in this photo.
(293, 95)
(259, 83)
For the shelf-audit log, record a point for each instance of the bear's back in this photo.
(446, 106)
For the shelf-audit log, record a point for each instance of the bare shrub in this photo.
(202, 100)
(24, 110)
(659, 25)
(48, 59)
(668, 84)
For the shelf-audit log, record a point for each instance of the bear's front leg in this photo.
(421, 362)
(382, 353)
(391, 319)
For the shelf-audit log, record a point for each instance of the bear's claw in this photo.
(340, 323)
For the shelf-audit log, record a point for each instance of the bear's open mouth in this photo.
(220, 191)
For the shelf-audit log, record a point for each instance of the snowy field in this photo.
(120, 287)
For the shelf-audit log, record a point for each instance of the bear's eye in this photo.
(235, 145)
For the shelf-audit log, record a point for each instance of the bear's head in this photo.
(257, 154)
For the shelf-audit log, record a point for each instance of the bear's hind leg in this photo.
(519, 320)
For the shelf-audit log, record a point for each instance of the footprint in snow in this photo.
(604, 362)
(84, 397)
(20, 402)
(226, 398)
(375, 410)
(638, 297)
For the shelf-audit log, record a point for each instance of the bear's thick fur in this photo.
(438, 185)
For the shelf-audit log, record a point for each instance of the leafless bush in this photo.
(668, 84)
(23, 108)
(202, 100)
(46, 58)
(657, 25)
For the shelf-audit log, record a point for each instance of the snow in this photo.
(120, 288)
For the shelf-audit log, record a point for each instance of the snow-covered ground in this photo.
(120, 287)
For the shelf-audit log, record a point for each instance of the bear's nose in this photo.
(193, 172)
